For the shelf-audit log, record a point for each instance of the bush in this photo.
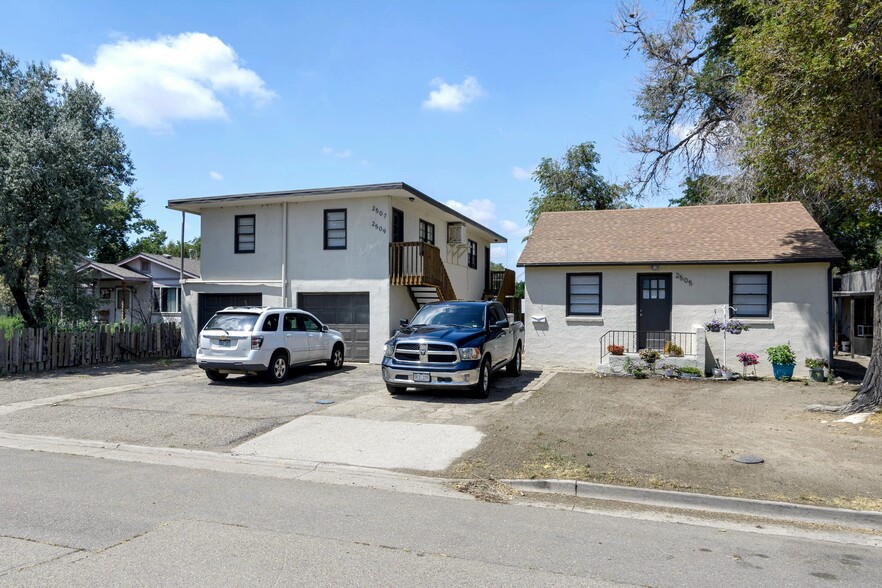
(781, 354)
(9, 324)
(692, 371)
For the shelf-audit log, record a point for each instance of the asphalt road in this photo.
(75, 520)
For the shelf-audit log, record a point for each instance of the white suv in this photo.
(267, 341)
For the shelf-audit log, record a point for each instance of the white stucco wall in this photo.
(799, 312)
(362, 267)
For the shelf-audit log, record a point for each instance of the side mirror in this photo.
(325, 328)
(403, 322)
(500, 325)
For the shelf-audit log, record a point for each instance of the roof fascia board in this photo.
(194, 205)
(705, 262)
(176, 268)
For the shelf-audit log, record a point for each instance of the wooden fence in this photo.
(37, 350)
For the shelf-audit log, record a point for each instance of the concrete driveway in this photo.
(175, 405)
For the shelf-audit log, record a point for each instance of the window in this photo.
(290, 322)
(271, 323)
(166, 299)
(863, 316)
(307, 323)
(427, 232)
(584, 294)
(750, 294)
(335, 229)
(497, 313)
(145, 266)
(473, 254)
(245, 233)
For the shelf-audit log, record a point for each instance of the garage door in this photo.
(211, 303)
(348, 313)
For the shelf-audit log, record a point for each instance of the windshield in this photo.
(230, 321)
(460, 315)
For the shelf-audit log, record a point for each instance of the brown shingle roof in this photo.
(726, 233)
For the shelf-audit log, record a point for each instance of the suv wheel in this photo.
(481, 389)
(513, 368)
(336, 361)
(215, 376)
(278, 368)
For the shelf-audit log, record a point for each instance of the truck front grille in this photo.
(426, 353)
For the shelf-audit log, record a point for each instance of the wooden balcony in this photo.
(415, 263)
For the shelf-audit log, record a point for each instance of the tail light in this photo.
(256, 342)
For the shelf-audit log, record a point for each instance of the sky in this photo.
(459, 99)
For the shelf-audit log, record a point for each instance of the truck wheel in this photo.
(513, 368)
(395, 389)
(336, 361)
(278, 368)
(215, 376)
(482, 388)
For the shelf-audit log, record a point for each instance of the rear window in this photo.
(232, 321)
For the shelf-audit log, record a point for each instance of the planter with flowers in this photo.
(616, 349)
(816, 367)
(783, 361)
(714, 326)
(748, 360)
(735, 327)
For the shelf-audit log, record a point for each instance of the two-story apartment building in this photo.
(358, 257)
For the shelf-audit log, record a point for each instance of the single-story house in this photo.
(644, 277)
(360, 258)
(854, 312)
(144, 288)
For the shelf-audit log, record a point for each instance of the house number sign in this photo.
(382, 214)
(683, 278)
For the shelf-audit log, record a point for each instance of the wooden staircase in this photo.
(418, 266)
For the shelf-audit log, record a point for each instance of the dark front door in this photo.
(397, 226)
(653, 310)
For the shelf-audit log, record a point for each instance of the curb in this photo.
(725, 504)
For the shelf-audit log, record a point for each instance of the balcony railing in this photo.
(416, 263)
(634, 341)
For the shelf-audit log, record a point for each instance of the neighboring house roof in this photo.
(726, 233)
(114, 271)
(191, 266)
(195, 205)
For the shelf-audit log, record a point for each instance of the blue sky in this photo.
(458, 99)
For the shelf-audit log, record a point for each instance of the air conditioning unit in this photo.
(456, 234)
(864, 330)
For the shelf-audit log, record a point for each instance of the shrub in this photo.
(694, 371)
(781, 354)
(649, 355)
(9, 324)
(815, 362)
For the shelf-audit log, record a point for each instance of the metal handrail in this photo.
(634, 341)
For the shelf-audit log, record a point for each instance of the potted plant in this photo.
(650, 356)
(673, 350)
(714, 326)
(616, 349)
(816, 367)
(783, 361)
(726, 373)
(748, 360)
(734, 326)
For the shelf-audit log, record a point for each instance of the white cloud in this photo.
(520, 174)
(341, 154)
(482, 211)
(153, 82)
(215, 175)
(452, 97)
(513, 230)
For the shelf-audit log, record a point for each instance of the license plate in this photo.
(224, 342)
(422, 378)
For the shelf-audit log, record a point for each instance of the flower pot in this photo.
(782, 371)
(817, 374)
(714, 329)
(726, 374)
(735, 331)
(718, 373)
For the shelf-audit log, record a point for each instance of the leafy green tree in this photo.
(193, 246)
(62, 161)
(788, 94)
(119, 218)
(573, 183)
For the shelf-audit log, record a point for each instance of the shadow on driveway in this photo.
(502, 387)
(295, 375)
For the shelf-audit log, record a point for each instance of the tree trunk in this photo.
(20, 296)
(869, 395)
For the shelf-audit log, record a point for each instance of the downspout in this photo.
(284, 254)
(830, 316)
(183, 222)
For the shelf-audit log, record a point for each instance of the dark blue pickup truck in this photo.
(453, 345)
